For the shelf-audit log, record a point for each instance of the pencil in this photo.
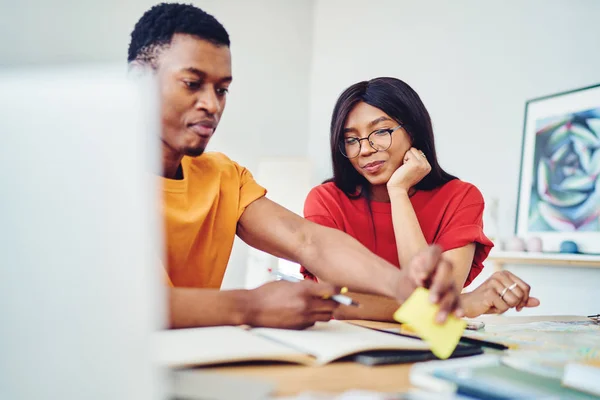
(463, 339)
(339, 298)
(483, 343)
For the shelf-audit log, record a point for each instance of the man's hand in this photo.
(290, 305)
(492, 298)
(430, 270)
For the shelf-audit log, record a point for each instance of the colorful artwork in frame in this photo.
(559, 185)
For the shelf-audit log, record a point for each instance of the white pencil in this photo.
(340, 298)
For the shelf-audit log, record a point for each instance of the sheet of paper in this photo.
(216, 345)
(544, 347)
(419, 313)
(328, 341)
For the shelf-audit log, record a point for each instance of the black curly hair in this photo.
(156, 28)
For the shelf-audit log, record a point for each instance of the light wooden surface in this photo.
(501, 258)
(336, 377)
(342, 376)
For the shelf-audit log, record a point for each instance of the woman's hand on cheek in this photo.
(414, 168)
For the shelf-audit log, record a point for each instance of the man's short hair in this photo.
(155, 29)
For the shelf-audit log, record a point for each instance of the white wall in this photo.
(267, 111)
(474, 63)
(288, 180)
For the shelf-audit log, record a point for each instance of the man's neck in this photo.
(171, 163)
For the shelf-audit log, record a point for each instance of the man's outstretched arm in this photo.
(339, 259)
(190, 307)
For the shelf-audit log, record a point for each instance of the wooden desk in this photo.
(342, 376)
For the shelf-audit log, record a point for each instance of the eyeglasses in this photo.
(379, 140)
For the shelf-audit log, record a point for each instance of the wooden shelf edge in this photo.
(548, 259)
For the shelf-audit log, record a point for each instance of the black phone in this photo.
(383, 357)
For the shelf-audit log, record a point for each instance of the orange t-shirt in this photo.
(200, 213)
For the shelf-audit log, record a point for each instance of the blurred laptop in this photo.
(79, 238)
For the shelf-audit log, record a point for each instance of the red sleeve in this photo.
(316, 211)
(466, 226)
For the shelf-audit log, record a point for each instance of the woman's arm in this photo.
(372, 307)
(485, 299)
(407, 230)
(410, 239)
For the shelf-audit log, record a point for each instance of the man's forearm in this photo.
(337, 258)
(189, 307)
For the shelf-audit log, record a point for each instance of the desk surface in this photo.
(343, 376)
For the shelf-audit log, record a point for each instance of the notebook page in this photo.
(328, 341)
(218, 345)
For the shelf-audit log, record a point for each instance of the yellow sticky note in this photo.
(420, 313)
(407, 329)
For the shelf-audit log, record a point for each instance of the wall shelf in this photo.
(501, 258)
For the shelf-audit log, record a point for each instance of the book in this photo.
(321, 344)
(197, 384)
(584, 376)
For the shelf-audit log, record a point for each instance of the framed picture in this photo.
(559, 184)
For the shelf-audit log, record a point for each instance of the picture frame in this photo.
(559, 180)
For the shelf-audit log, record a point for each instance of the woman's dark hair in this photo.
(400, 102)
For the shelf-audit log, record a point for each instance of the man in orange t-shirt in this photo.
(208, 199)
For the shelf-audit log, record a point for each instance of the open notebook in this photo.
(318, 345)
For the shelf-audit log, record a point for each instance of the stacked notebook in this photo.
(584, 376)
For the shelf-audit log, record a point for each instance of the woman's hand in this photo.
(497, 294)
(411, 172)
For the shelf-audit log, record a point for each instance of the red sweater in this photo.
(450, 216)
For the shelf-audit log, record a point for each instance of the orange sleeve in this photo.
(249, 189)
(165, 273)
(167, 279)
(466, 226)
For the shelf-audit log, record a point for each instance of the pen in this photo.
(339, 298)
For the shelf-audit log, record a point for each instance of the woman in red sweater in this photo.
(389, 192)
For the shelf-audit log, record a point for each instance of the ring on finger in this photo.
(506, 289)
